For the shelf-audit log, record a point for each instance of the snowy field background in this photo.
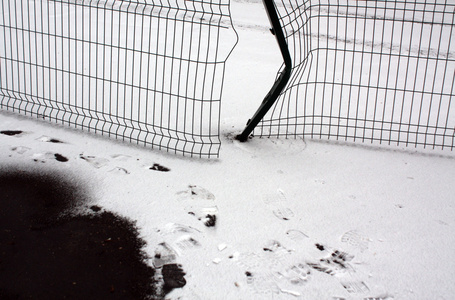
(296, 219)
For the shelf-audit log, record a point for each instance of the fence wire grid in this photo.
(149, 72)
(376, 71)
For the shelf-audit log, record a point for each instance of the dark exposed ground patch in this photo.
(60, 157)
(11, 132)
(160, 168)
(320, 247)
(173, 277)
(55, 141)
(50, 140)
(210, 220)
(46, 256)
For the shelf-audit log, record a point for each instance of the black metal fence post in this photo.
(281, 81)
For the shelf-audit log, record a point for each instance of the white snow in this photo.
(387, 213)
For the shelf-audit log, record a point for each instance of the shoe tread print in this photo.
(200, 203)
(356, 239)
(274, 271)
(276, 201)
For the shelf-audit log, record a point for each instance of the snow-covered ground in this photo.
(295, 219)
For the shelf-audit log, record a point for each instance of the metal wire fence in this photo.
(377, 71)
(145, 71)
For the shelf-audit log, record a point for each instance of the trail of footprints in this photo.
(180, 239)
(169, 274)
(277, 270)
(95, 161)
(272, 270)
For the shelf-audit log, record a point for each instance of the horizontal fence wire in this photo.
(370, 71)
(149, 72)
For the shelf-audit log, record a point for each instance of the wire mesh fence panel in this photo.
(149, 72)
(377, 71)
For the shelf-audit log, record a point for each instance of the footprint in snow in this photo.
(20, 149)
(337, 263)
(168, 274)
(274, 270)
(43, 157)
(180, 238)
(200, 203)
(355, 287)
(163, 255)
(356, 240)
(119, 171)
(261, 283)
(334, 261)
(185, 243)
(276, 248)
(47, 139)
(174, 228)
(277, 202)
(296, 235)
(299, 273)
(121, 157)
(381, 297)
(96, 162)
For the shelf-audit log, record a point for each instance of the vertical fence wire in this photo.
(370, 71)
(144, 71)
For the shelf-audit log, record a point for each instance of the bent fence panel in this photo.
(149, 72)
(377, 71)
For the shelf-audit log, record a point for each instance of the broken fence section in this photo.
(149, 72)
(370, 71)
